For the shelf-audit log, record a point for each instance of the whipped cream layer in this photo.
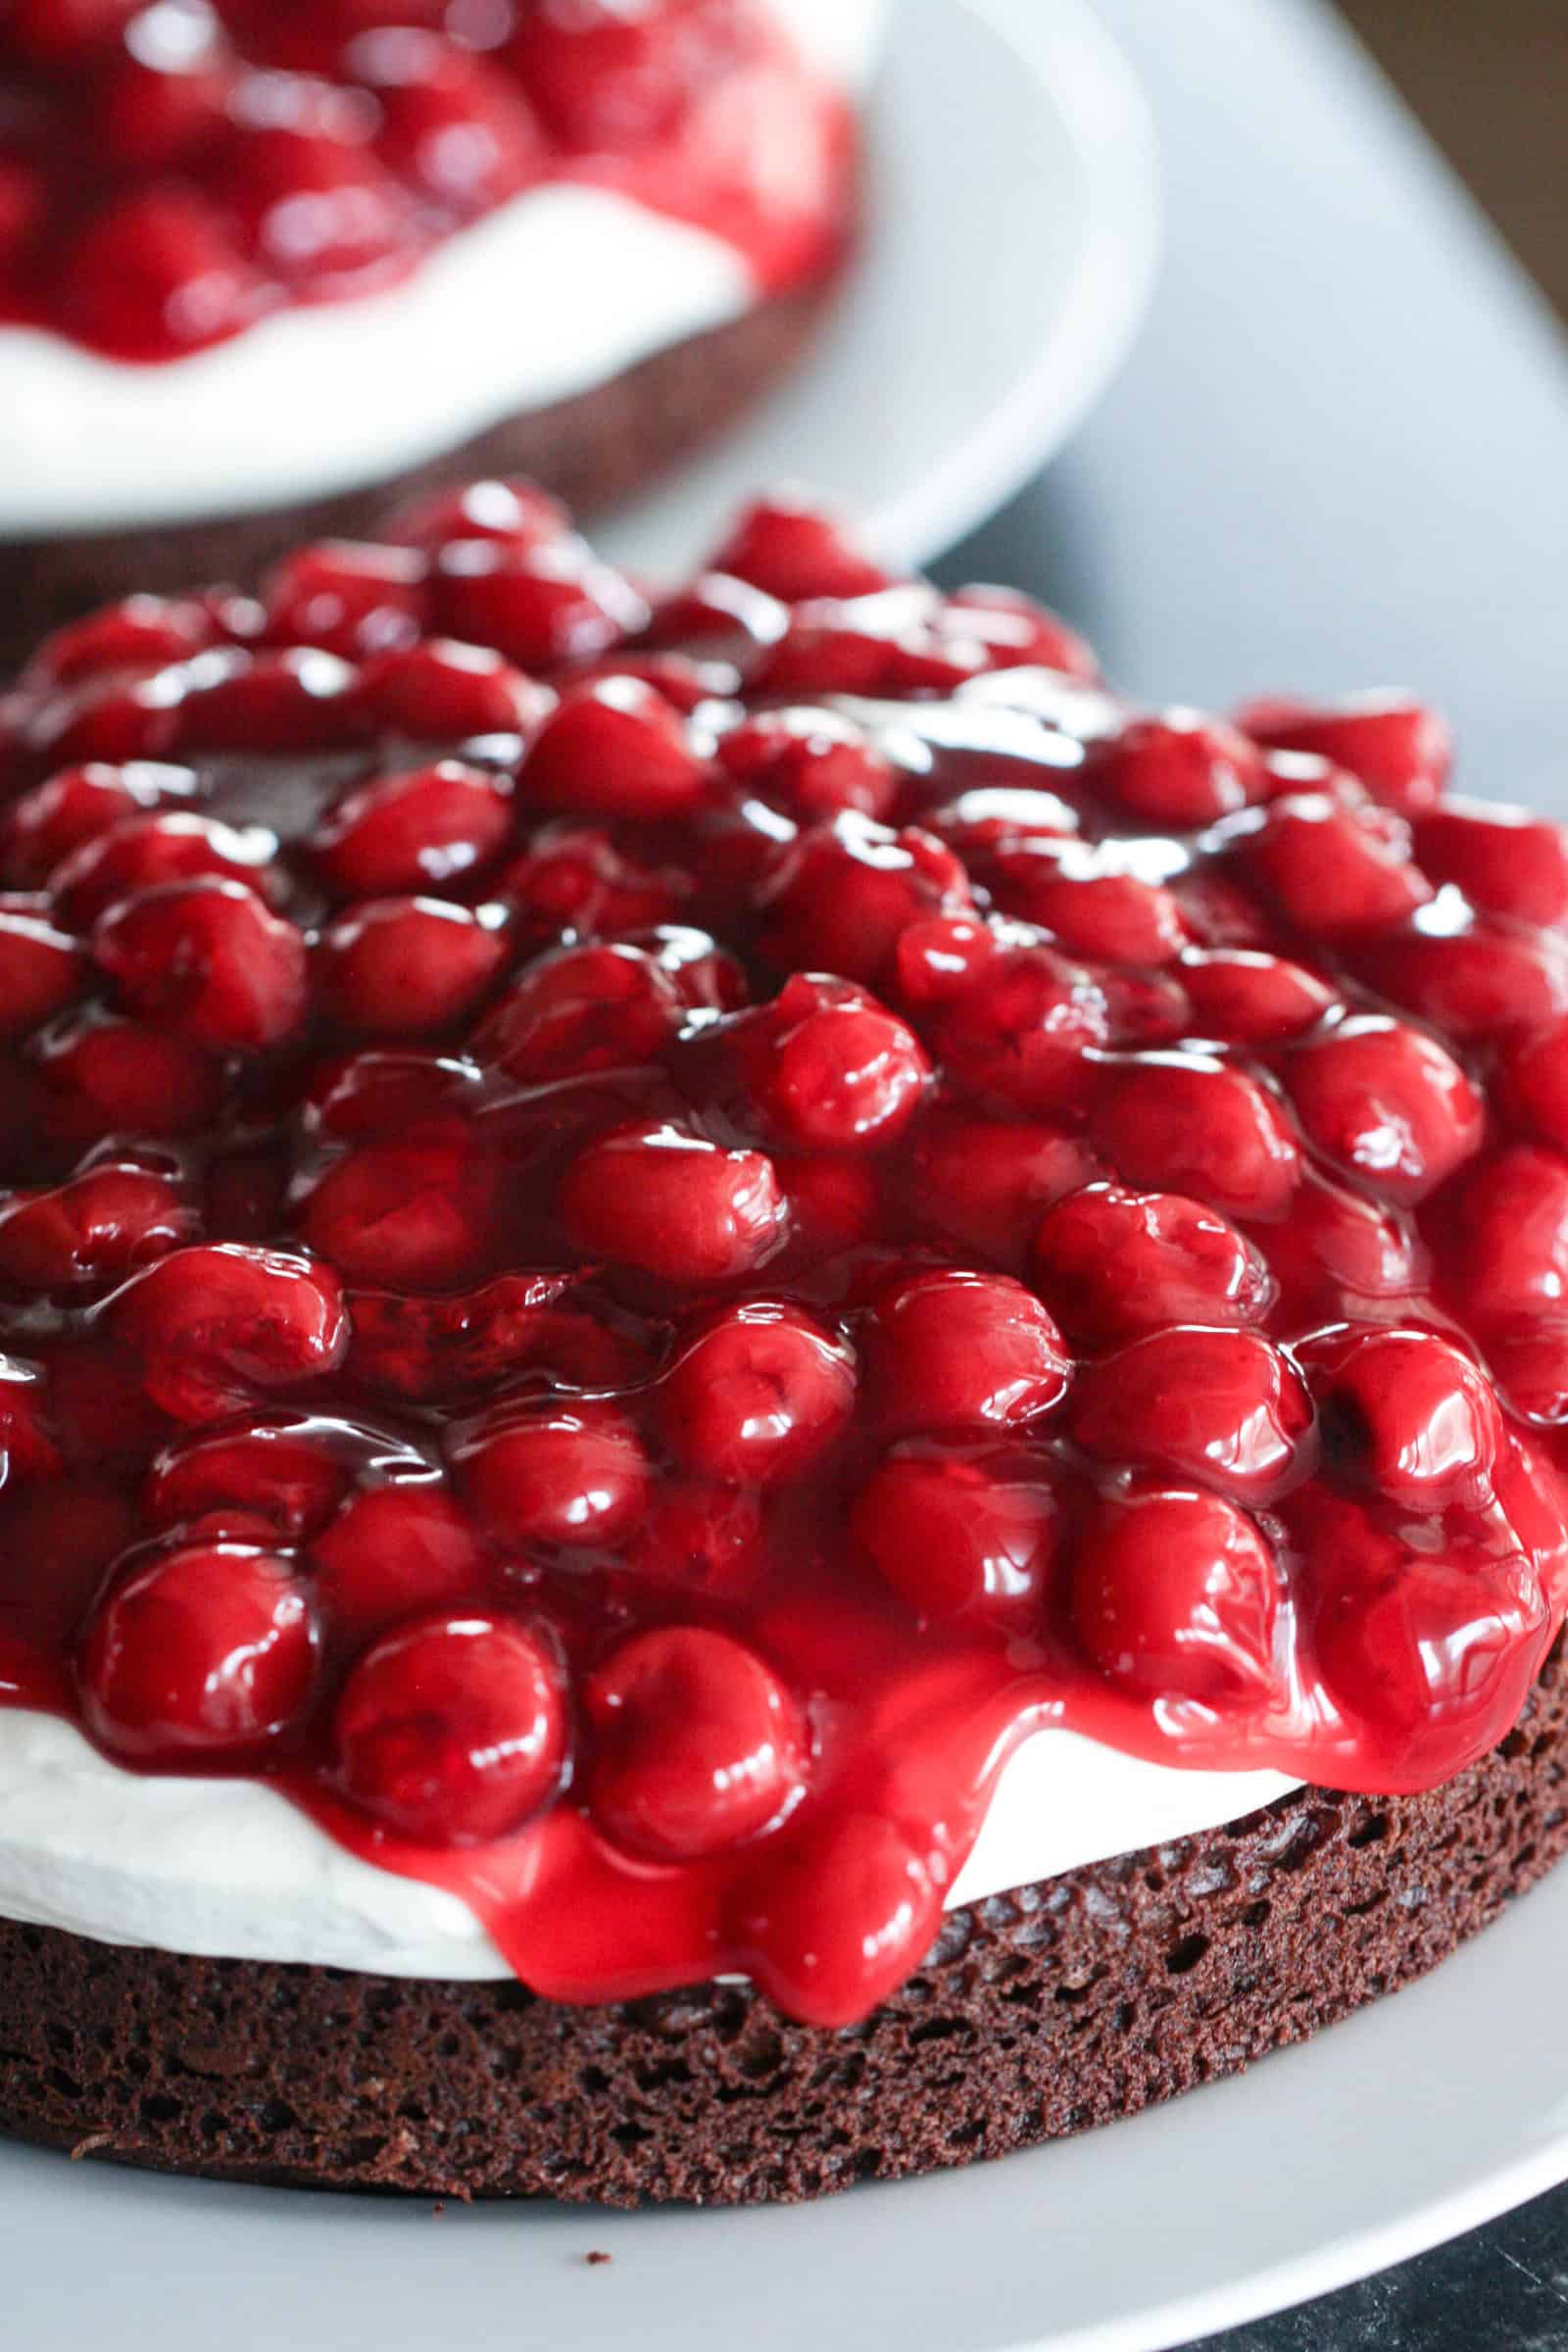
(559, 290)
(232, 1870)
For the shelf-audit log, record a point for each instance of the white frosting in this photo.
(232, 1870)
(557, 291)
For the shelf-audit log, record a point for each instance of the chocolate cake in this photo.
(743, 1341)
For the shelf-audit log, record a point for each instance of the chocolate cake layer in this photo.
(593, 449)
(1037, 2014)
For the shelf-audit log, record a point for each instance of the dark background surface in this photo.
(1339, 456)
(1489, 79)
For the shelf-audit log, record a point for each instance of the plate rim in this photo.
(1097, 115)
(1106, 118)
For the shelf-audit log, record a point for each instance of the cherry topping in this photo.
(668, 1204)
(951, 1349)
(96, 1227)
(877, 1226)
(270, 1468)
(961, 1528)
(1241, 997)
(1181, 771)
(1335, 871)
(213, 1325)
(1202, 1127)
(207, 1651)
(618, 749)
(105, 1076)
(207, 959)
(39, 830)
(1385, 1105)
(555, 1475)
(407, 832)
(419, 1213)
(147, 850)
(392, 1550)
(1018, 1038)
(983, 1183)
(755, 1395)
(1112, 1263)
(1409, 1414)
(841, 1917)
(353, 600)
(41, 970)
(1175, 1595)
(1222, 1406)
(399, 966)
(829, 1068)
(453, 1729)
(840, 899)
(1397, 746)
(810, 763)
(1503, 859)
(698, 1744)
(582, 1008)
(1423, 1650)
(794, 552)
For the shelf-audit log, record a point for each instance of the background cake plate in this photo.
(1010, 251)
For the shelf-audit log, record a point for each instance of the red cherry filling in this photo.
(810, 765)
(1385, 1104)
(667, 1203)
(949, 1349)
(840, 899)
(1112, 1263)
(403, 832)
(755, 1395)
(97, 1227)
(696, 1745)
(554, 1475)
(1205, 1128)
(207, 959)
(273, 1468)
(582, 1008)
(393, 1551)
(1397, 747)
(1175, 1597)
(616, 749)
(460, 1167)
(451, 1729)
(399, 966)
(842, 1917)
(244, 158)
(1410, 1414)
(1180, 771)
(1224, 1406)
(207, 1651)
(830, 1068)
(961, 1529)
(416, 1214)
(209, 1326)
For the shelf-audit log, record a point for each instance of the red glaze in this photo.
(635, 1432)
(168, 178)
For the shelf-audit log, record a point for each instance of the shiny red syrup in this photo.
(639, 1232)
(171, 173)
